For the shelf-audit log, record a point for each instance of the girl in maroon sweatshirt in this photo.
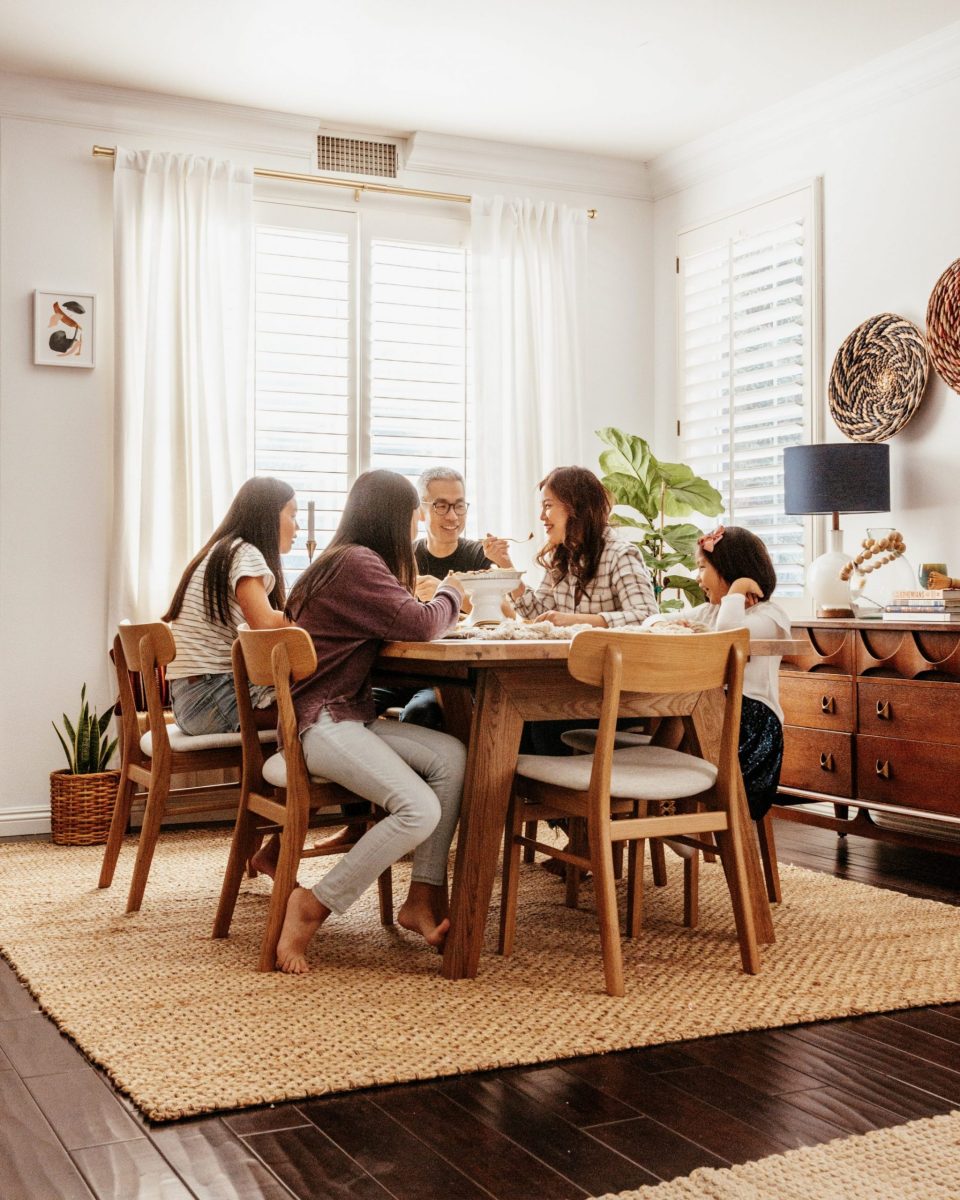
(358, 594)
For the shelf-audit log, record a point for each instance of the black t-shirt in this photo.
(468, 556)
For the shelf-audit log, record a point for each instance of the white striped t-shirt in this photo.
(203, 646)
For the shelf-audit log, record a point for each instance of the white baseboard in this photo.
(16, 821)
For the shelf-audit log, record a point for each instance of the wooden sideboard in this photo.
(872, 724)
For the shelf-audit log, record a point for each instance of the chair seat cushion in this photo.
(275, 772)
(637, 773)
(586, 739)
(204, 741)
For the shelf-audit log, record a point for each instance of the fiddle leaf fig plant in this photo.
(656, 491)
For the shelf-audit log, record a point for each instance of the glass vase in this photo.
(871, 591)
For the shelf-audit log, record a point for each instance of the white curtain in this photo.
(183, 230)
(529, 268)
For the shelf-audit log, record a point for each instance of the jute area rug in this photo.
(185, 1025)
(917, 1161)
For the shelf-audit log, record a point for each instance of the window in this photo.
(361, 351)
(748, 355)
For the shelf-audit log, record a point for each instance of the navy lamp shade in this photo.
(833, 478)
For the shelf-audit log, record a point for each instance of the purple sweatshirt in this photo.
(349, 618)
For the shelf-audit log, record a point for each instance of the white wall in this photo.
(56, 424)
(885, 145)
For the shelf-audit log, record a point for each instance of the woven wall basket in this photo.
(943, 326)
(878, 378)
(81, 807)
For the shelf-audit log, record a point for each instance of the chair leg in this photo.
(691, 890)
(530, 831)
(292, 836)
(118, 827)
(573, 875)
(635, 886)
(149, 832)
(658, 861)
(732, 859)
(768, 857)
(605, 894)
(618, 860)
(246, 839)
(511, 872)
(385, 890)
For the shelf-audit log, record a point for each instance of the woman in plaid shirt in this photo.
(592, 577)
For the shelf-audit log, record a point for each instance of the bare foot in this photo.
(305, 914)
(425, 912)
(266, 858)
(341, 841)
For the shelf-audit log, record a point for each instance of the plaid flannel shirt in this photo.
(621, 591)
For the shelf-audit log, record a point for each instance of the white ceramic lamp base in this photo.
(829, 593)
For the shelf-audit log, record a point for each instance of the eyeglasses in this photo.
(442, 507)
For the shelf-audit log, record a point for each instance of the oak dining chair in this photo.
(277, 793)
(154, 750)
(619, 794)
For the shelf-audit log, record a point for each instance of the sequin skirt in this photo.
(761, 755)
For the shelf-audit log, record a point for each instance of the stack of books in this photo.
(924, 604)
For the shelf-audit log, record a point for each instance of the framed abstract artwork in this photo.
(63, 329)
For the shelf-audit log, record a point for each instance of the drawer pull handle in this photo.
(826, 762)
(883, 768)
(828, 704)
(883, 710)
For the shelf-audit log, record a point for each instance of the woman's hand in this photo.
(748, 588)
(453, 581)
(559, 618)
(497, 551)
(936, 579)
(426, 587)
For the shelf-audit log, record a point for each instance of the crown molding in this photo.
(512, 163)
(126, 111)
(925, 63)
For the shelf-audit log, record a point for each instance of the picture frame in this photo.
(64, 329)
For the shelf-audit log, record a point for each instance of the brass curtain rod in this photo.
(356, 186)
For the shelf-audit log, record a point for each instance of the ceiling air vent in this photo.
(355, 156)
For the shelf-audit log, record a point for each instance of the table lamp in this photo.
(836, 477)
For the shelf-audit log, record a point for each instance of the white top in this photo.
(204, 646)
(761, 676)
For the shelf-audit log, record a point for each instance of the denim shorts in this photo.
(208, 703)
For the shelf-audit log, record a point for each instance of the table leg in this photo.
(491, 762)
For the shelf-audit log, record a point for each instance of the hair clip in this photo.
(709, 540)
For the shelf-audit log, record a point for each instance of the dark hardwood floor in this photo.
(581, 1127)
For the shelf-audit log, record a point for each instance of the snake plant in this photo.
(87, 743)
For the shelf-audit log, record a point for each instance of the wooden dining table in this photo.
(489, 689)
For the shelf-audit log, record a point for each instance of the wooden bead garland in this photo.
(884, 551)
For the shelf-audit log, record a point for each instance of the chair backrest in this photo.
(276, 657)
(674, 670)
(143, 648)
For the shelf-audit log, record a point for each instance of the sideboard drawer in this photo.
(816, 761)
(915, 711)
(818, 702)
(912, 774)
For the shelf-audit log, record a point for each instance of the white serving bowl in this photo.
(486, 589)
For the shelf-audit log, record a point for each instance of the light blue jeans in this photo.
(416, 774)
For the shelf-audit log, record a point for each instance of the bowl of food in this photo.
(486, 590)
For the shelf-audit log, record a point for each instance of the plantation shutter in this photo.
(304, 376)
(746, 334)
(417, 365)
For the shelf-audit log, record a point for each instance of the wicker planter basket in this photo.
(81, 807)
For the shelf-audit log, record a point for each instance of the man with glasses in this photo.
(444, 509)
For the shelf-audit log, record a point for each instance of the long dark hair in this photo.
(741, 554)
(254, 517)
(588, 506)
(376, 515)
